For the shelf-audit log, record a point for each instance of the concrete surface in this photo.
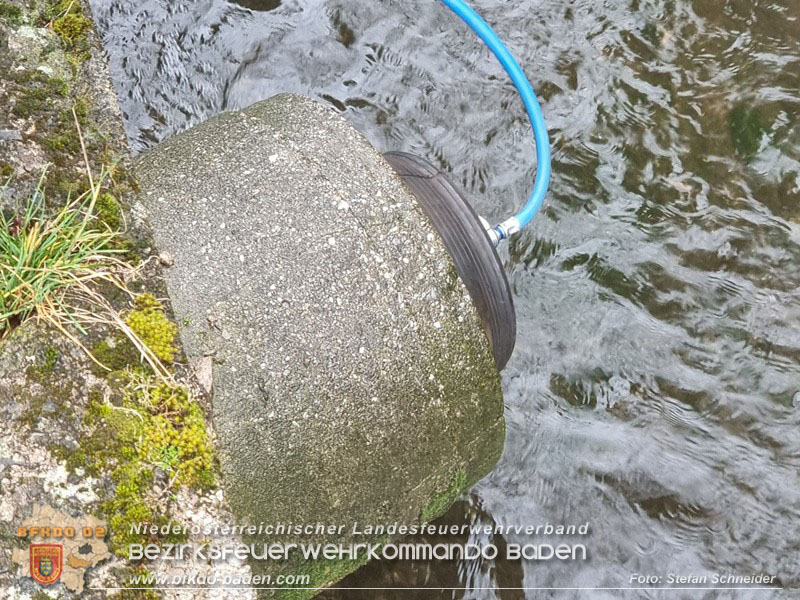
(49, 387)
(351, 377)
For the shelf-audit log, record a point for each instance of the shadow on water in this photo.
(655, 390)
(260, 5)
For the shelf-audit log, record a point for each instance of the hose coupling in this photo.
(502, 231)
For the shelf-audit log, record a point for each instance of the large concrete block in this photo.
(352, 380)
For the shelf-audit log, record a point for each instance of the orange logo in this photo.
(46, 563)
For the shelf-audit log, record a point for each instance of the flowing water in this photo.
(655, 388)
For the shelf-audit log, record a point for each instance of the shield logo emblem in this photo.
(46, 563)
(45, 566)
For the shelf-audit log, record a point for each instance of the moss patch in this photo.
(150, 323)
(127, 507)
(12, 14)
(63, 137)
(57, 392)
(72, 29)
(68, 21)
(175, 435)
(143, 591)
(108, 211)
(34, 406)
(129, 438)
(440, 502)
(39, 93)
(116, 353)
(6, 171)
(45, 367)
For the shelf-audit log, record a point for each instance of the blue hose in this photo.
(482, 29)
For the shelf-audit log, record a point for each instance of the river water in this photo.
(655, 389)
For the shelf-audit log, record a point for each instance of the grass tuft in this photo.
(52, 263)
(46, 260)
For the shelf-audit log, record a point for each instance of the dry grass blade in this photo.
(52, 262)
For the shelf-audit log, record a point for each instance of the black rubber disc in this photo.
(466, 240)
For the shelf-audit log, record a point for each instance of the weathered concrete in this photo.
(53, 448)
(352, 380)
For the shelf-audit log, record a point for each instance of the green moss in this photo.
(6, 171)
(81, 109)
(72, 28)
(176, 534)
(63, 142)
(45, 367)
(68, 21)
(153, 327)
(143, 425)
(33, 101)
(33, 410)
(37, 93)
(51, 355)
(33, 77)
(12, 14)
(175, 436)
(108, 211)
(111, 433)
(440, 502)
(62, 182)
(153, 418)
(70, 24)
(127, 507)
(126, 576)
(109, 448)
(130, 250)
(63, 137)
(116, 353)
(148, 321)
(124, 425)
(56, 391)
(55, 9)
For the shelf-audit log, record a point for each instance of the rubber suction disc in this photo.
(465, 238)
